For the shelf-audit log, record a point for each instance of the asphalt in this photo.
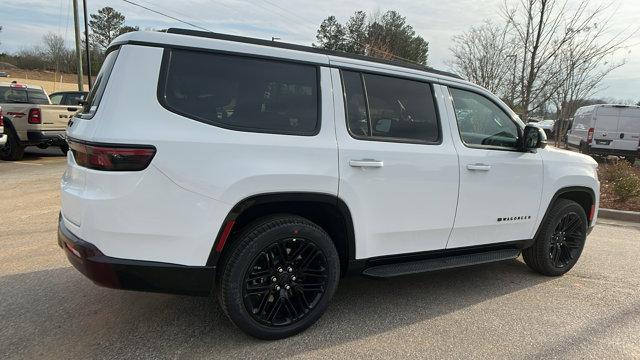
(501, 310)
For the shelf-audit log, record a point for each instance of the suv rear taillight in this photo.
(108, 157)
(34, 116)
(590, 136)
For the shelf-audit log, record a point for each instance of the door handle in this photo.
(479, 167)
(366, 163)
(621, 135)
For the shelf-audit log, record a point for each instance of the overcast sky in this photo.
(25, 21)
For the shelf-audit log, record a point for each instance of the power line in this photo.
(166, 15)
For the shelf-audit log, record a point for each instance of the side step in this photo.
(413, 267)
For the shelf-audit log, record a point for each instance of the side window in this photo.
(243, 93)
(56, 99)
(481, 122)
(389, 109)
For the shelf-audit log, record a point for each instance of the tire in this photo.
(64, 148)
(13, 150)
(306, 277)
(560, 241)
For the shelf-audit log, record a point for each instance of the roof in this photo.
(142, 36)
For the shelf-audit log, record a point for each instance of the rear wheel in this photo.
(560, 241)
(64, 148)
(13, 150)
(278, 277)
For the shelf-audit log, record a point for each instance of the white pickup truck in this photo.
(31, 120)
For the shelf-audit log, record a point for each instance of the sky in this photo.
(24, 23)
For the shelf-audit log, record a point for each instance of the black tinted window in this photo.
(243, 93)
(95, 95)
(356, 104)
(22, 95)
(393, 109)
(37, 96)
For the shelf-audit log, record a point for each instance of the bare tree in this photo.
(54, 49)
(480, 55)
(542, 29)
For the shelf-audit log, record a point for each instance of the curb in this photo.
(620, 215)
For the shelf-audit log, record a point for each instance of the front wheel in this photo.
(13, 150)
(64, 148)
(278, 277)
(561, 239)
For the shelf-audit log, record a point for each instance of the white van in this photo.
(606, 130)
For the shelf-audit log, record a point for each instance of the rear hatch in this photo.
(56, 117)
(628, 129)
(606, 127)
(81, 129)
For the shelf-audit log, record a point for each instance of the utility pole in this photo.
(86, 42)
(78, 46)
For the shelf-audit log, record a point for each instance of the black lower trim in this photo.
(52, 138)
(134, 274)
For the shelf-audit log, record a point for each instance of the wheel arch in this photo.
(328, 211)
(583, 195)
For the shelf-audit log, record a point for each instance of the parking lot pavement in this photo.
(502, 310)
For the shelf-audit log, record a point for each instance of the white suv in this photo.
(265, 171)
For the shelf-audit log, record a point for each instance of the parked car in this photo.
(3, 136)
(264, 172)
(68, 97)
(4, 74)
(31, 120)
(547, 126)
(606, 129)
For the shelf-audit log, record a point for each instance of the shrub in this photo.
(627, 187)
(617, 171)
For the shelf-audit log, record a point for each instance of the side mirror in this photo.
(533, 138)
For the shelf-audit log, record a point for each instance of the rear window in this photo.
(241, 93)
(10, 94)
(95, 95)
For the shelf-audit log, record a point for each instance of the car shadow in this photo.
(58, 313)
(34, 153)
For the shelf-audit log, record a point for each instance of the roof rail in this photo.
(283, 45)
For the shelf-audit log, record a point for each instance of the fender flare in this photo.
(557, 195)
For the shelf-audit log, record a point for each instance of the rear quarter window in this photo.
(95, 95)
(241, 93)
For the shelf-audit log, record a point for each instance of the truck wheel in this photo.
(64, 148)
(560, 241)
(278, 277)
(13, 150)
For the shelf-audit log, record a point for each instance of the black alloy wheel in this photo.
(277, 276)
(285, 281)
(560, 240)
(566, 240)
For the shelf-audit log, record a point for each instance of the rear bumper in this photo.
(614, 152)
(52, 137)
(134, 274)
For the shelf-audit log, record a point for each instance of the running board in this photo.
(413, 267)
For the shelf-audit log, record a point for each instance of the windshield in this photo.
(10, 94)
